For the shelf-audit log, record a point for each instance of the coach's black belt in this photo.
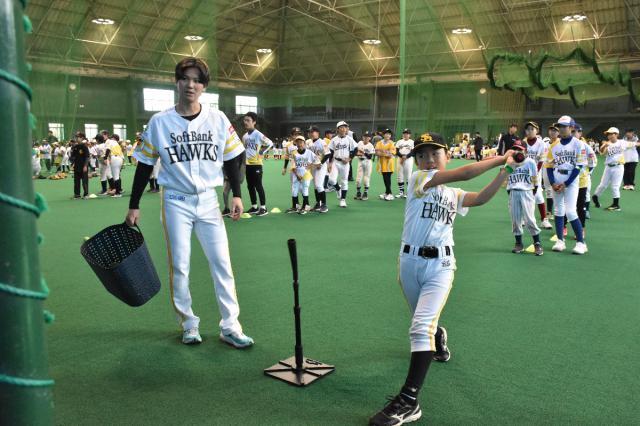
(426, 251)
(563, 172)
(614, 165)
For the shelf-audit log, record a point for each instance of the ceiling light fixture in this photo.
(574, 18)
(461, 31)
(264, 50)
(193, 37)
(103, 21)
(372, 41)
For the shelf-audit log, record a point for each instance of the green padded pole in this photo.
(25, 395)
(402, 110)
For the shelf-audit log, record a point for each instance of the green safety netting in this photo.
(577, 76)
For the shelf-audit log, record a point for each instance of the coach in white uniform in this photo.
(194, 143)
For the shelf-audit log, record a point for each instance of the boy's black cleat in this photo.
(262, 212)
(397, 412)
(252, 210)
(442, 353)
(595, 200)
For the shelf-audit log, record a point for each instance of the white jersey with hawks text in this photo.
(404, 147)
(538, 151)
(253, 141)
(524, 177)
(342, 147)
(564, 157)
(429, 215)
(192, 152)
(366, 148)
(302, 161)
(615, 152)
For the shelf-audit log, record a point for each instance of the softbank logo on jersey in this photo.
(563, 157)
(192, 146)
(439, 208)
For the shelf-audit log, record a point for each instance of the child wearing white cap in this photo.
(565, 159)
(613, 148)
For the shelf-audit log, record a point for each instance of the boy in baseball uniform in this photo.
(405, 161)
(342, 149)
(427, 263)
(365, 152)
(520, 186)
(536, 151)
(613, 149)
(318, 146)
(194, 143)
(303, 160)
(565, 159)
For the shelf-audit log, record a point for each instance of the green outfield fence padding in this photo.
(25, 386)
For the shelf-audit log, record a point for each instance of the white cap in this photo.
(565, 120)
(341, 123)
(612, 130)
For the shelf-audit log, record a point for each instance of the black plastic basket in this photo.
(119, 257)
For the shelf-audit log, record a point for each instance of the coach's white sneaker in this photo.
(343, 203)
(580, 248)
(546, 224)
(389, 197)
(559, 246)
(382, 196)
(237, 340)
(191, 336)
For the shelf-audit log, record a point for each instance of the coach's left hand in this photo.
(236, 208)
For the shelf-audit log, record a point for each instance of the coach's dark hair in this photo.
(80, 135)
(252, 115)
(99, 138)
(201, 65)
(115, 137)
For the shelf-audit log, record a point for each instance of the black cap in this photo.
(296, 130)
(532, 124)
(326, 132)
(387, 131)
(406, 131)
(430, 139)
(313, 129)
(367, 133)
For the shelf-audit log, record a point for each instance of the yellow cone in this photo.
(245, 216)
(276, 210)
(554, 238)
(530, 249)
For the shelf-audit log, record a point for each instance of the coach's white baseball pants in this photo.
(612, 176)
(405, 168)
(426, 284)
(564, 203)
(105, 171)
(181, 213)
(116, 164)
(318, 177)
(339, 174)
(364, 173)
(522, 207)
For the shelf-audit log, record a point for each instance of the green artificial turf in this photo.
(533, 340)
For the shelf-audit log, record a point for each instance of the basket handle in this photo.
(135, 225)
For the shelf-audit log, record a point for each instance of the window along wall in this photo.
(157, 99)
(58, 130)
(244, 104)
(120, 130)
(90, 130)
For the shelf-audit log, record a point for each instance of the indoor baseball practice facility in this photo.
(319, 212)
